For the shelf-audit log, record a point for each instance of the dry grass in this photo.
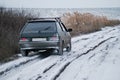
(11, 21)
(86, 22)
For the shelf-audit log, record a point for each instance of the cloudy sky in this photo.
(59, 3)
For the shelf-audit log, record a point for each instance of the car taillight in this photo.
(24, 39)
(55, 37)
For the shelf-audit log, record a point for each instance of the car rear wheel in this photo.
(60, 50)
(25, 53)
(68, 49)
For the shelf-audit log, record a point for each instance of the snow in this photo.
(95, 56)
(15, 63)
(101, 64)
(37, 69)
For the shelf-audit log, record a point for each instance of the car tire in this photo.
(25, 53)
(60, 50)
(68, 49)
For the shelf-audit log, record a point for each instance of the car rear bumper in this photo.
(39, 45)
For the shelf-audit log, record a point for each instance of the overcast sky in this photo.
(59, 3)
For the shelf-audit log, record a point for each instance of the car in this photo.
(44, 34)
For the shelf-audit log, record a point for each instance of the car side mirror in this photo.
(69, 30)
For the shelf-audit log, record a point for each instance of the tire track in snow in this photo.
(62, 69)
(18, 64)
(67, 63)
(96, 46)
(87, 51)
(39, 68)
(31, 71)
(44, 71)
(49, 68)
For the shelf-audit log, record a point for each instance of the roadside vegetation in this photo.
(86, 22)
(11, 22)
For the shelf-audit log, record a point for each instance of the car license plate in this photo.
(38, 39)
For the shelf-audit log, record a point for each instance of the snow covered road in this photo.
(94, 56)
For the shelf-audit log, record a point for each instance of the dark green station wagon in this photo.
(44, 34)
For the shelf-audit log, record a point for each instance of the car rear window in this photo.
(42, 26)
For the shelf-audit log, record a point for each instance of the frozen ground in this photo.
(94, 56)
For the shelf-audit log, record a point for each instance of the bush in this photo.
(86, 22)
(11, 22)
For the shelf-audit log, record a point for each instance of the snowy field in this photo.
(94, 56)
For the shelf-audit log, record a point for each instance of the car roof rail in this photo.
(58, 19)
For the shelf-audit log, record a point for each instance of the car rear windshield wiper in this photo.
(47, 28)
